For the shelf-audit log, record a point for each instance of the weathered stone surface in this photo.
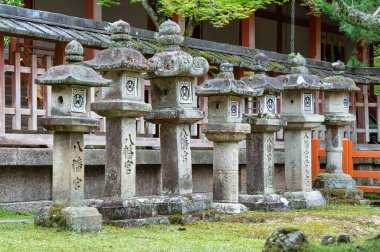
(72, 73)
(334, 181)
(68, 169)
(225, 84)
(305, 199)
(343, 238)
(271, 202)
(70, 124)
(346, 196)
(328, 240)
(229, 208)
(153, 206)
(337, 82)
(285, 240)
(50, 217)
(82, 219)
(138, 222)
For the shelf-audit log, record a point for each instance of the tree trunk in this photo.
(154, 16)
(358, 18)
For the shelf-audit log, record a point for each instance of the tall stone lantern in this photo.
(298, 110)
(121, 104)
(225, 128)
(175, 107)
(69, 120)
(337, 116)
(260, 141)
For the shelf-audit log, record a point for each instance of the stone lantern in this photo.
(298, 110)
(175, 107)
(69, 120)
(225, 128)
(260, 141)
(337, 116)
(121, 104)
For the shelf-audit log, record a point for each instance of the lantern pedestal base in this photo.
(334, 181)
(229, 208)
(270, 202)
(305, 199)
(139, 208)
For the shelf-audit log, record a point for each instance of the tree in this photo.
(356, 21)
(217, 12)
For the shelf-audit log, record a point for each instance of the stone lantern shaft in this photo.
(226, 130)
(70, 92)
(174, 107)
(337, 116)
(298, 110)
(121, 104)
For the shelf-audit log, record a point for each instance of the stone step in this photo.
(138, 222)
(175, 219)
(153, 207)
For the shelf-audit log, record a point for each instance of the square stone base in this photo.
(271, 202)
(229, 208)
(82, 219)
(305, 199)
(155, 206)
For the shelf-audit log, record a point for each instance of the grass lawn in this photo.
(244, 232)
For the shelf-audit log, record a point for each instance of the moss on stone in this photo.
(176, 219)
(342, 196)
(51, 217)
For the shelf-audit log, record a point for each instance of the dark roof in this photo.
(58, 27)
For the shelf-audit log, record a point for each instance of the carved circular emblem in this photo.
(185, 93)
(307, 102)
(270, 105)
(78, 100)
(130, 86)
(233, 109)
(345, 102)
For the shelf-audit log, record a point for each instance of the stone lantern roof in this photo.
(338, 82)
(73, 73)
(173, 62)
(120, 56)
(300, 79)
(225, 84)
(261, 80)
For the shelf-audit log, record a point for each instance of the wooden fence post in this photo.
(315, 163)
(345, 155)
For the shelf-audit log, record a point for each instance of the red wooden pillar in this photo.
(150, 24)
(247, 31)
(2, 87)
(314, 37)
(363, 53)
(92, 11)
(180, 21)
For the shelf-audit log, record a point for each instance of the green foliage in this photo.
(351, 30)
(353, 61)
(13, 2)
(217, 12)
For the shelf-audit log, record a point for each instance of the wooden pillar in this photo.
(2, 86)
(279, 28)
(363, 53)
(59, 53)
(180, 21)
(92, 11)
(314, 37)
(247, 32)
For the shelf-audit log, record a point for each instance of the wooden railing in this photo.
(348, 159)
